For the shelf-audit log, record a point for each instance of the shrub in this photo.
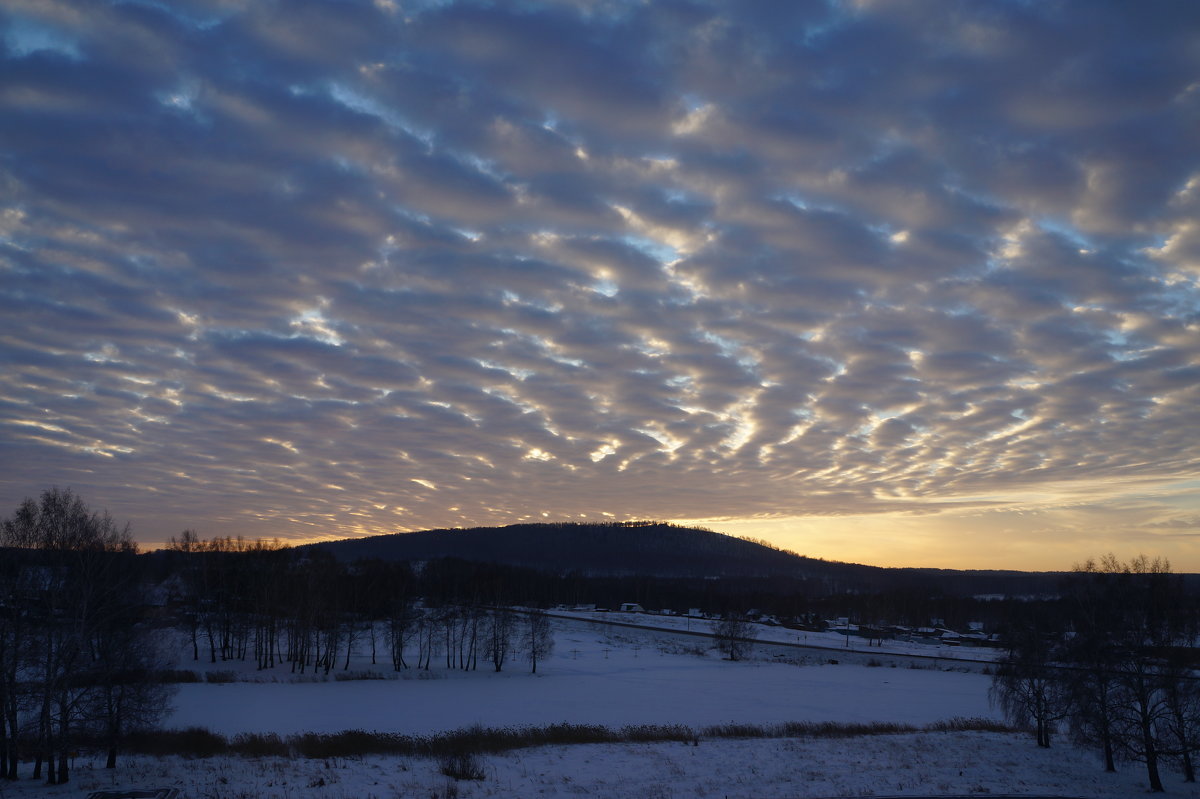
(459, 750)
(178, 676)
(462, 766)
(191, 742)
(962, 724)
(352, 743)
(259, 745)
(733, 730)
(646, 733)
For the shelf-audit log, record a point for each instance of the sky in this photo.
(901, 283)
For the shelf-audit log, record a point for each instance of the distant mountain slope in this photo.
(666, 550)
(618, 548)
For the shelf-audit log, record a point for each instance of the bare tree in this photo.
(1027, 684)
(1135, 694)
(537, 638)
(126, 694)
(499, 637)
(78, 570)
(1092, 607)
(735, 635)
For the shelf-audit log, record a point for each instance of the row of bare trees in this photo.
(78, 657)
(304, 610)
(1114, 660)
(460, 634)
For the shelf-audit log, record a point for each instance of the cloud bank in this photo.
(333, 268)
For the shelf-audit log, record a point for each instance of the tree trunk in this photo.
(1151, 750)
(1152, 772)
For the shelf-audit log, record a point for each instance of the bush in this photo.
(353, 743)
(462, 766)
(961, 724)
(259, 745)
(221, 676)
(733, 730)
(191, 742)
(578, 734)
(178, 676)
(459, 750)
(648, 733)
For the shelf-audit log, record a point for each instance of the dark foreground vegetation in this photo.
(196, 742)
(1106, 651)
(78, 650)
(1114, 659)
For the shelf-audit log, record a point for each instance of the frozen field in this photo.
(594, 676)
(919, 647)
(616, 677)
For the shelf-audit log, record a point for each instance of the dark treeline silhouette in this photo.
(608, 548)
(303, 610)
(1106, 650)
(659, 549)
(298, 605)
(78, 656)
(1114, 659)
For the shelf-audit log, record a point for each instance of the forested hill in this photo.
(617, 548)
(666, 550)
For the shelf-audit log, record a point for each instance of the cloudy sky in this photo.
(905, 283)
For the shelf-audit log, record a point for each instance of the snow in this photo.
(919, 648)
(616, 676)
(887, 765)
(594, 676)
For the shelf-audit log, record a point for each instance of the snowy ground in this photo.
(924, 764)
(596, 675)
(615, 677)
(918, 648)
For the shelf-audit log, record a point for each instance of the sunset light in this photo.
(910, 284)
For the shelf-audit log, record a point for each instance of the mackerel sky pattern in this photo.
(322, 269)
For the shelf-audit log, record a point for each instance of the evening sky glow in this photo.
(904, 283)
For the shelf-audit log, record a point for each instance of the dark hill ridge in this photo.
(617, 548)
(665, 550)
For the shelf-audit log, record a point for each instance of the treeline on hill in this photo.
(219, 585)
(1114, 658)
(659, 549)
(595, 548)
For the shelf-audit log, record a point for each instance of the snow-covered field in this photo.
(616, 676)
(918, 648)
(923, 764)
(598, 676)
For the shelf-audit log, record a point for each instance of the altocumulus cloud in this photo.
(327, 268)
